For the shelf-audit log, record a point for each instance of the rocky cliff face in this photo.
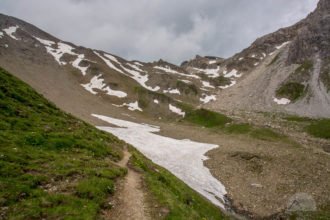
(287, 71)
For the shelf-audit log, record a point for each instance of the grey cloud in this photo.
(169, 29)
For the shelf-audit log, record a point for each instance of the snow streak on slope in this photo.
(176, 110)
(212, 73)
(136, 75)
(232, 73)
(110, 65)
(62, 49)
(208, 98)
(184, 158)
(169, 70)
(172, 91)
(97, 83)
(10, 31)
(75, 64)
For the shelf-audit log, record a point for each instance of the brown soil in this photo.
(262, 176)
(129, 203)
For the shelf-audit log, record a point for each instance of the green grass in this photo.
(319, 128)
(172, 194)
(296, 118)
(260, 133)
(266, 134)
(40, 147)
(291, 90)
(206, 118)
(187, 88)
(213, 120)
(220, 81)
(305, 67)
(145, 97)
(238, 128)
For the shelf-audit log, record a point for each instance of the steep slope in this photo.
(53, 164)
(284, 71)
(63, 71)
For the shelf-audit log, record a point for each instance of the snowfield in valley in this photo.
(184, 158)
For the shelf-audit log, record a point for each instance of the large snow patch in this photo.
(184, 158)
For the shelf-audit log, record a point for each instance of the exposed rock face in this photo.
(313, 37)
(288, 70)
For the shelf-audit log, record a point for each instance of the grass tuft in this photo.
(207, 118)
(319, 128)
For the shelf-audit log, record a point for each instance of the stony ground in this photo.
(262, 176)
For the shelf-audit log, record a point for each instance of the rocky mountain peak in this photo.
(324, 5)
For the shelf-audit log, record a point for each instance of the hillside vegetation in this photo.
(54, 166)
(51, 164)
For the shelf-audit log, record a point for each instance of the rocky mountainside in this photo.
(287, 70)
(75, 77)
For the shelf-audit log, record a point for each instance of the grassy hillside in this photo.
(54, 166)
(51, 164)
(171, 194)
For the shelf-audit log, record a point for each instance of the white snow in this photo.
(6, 45)
(176, 110)
(1, 34)
(75, 64)
(184, 158)
(133, 106)
(110, 65)
(62, 49)
(241, 58)
(282, 45)
(264, 54)
(98, 83)
(10, 31)
(136, 75)
(135, 67)
(212, 73)
(140, 78)
(207, 84)
(185, 81)
(156, 101)
(112, 58)
(45, 42)
(270, 54)
(282, 101)
(172, 91)
(169, 70)
(232, 73)
(137, 63)
(256, 64)
(232, 83)
(212, 61)
(253, 55)
(208, 98)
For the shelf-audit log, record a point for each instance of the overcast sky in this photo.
(147, 30)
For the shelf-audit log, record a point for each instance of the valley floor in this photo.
(263, 171)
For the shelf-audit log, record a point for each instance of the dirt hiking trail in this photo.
(129, 202)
